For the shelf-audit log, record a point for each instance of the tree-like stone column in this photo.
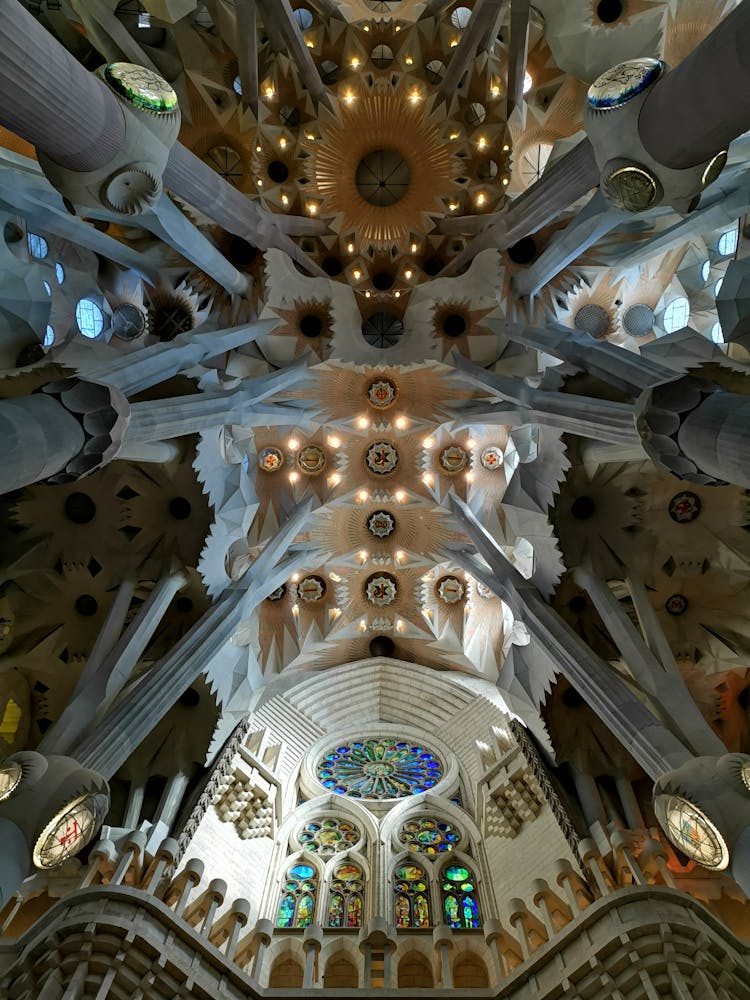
(697, 430)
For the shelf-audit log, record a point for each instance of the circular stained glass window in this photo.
(379, 769)
(692, 831)
(428, 835)
(329, 836)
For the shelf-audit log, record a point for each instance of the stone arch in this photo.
(415, 971)
(340, 972)
(286, 971)
(469, 971)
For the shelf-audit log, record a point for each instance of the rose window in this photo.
(379, 769)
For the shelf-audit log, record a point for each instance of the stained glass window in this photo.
(429, 835)
(459, 889)
(379, 769)
(727, 243)
(297, 902)
(412, 901)
(345, 903)
(328, 836)
(89, 317)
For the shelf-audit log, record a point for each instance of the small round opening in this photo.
(382, 330)
(382, 645)
(311, 326)
(522, 252)
(80, 508)
(382, 177)
(12, 233)
(572, 699)
(454, 325)
(180, 508)
(332, 266)
(190, 698)
(184, 605)
(577, 604)
(608, 10)
(278, 171)
(241, 253)
(433, 266)
(582, 508)
(383, 280)
(86, 605)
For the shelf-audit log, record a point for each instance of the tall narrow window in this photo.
(346, 901)
(297, 902)
(412, 902)
(460, 903)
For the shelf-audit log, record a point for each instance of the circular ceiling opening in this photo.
(277, 171)
(80, 508)
(522, 252)
(332, 266)
(382, 177)
(582, 508)
(382, 329)
(383, 280)
(433, 266)
(608, 11)
(311, 325)
(241, 253)
(592, 319)
(180, 508)
(454, 325)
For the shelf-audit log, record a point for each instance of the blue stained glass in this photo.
(286, 912)
(49, 336)
(460, 906)
(305, 911)
(451, 911)
(470, 912)
(302, 871)
(47, 287)
(90, 318)
(59, 272)
(380, 769)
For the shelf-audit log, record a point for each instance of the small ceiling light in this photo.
(408, 274)
(506, 181)
(285, 199)
(397, 295)
(429, 442)
(366, 27)
(334, 479)
(471, 443)
(414, 247)
(293, 444)
(354, 62)
(481, 198)
(282, 142)
(400, 422)
(368, 294)
(364, 555)
(453, 136)
(295, 577)
(349, 97)
(397, 28)
(350, 248)
(495, 91)
(427, 479)
(270, 92)
(415, 97)
(334, 441)
(259, 182)
(356, 274)
(362, 496)
(482, 142)
(452, 206)
(363, 423)
(309, 43)
(469, 477)
(258, 149)
(454, 42)
(408, 60)
(310, 136)
(312, 208)
(400, 555)
(400, 496)
(506, 148)
(293, 477)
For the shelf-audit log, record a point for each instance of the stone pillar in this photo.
(442, 938)
(696, 430)
(701, 106)
(39, 438)
(48, 96)
(263, 934)
(312, 942)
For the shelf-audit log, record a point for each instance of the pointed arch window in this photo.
(412, 900)
(346, 901)
(460, 899)
(297, 903)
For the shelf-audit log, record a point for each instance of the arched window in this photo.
(297, 902)
(412, 902)
(37, 246)
(460, 902)
(727, 243)
(429, 835)
(676, 315)
(346, 901)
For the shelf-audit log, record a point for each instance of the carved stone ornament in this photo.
(381, 524)
(453, 459)
(311, 460)
(492, 458)
(382, 393)
(382, 458)
(270, 459)
(450, 589)
(381, 589)
(311, 589)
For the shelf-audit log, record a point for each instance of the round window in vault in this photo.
(379, 769)
(382, 177)
(382, 330)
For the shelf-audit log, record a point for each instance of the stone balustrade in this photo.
(129, 931)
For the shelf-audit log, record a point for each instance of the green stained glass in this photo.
(329, 836)
(456, 874)
(428, 835)
(460, 905)
(411, 904)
